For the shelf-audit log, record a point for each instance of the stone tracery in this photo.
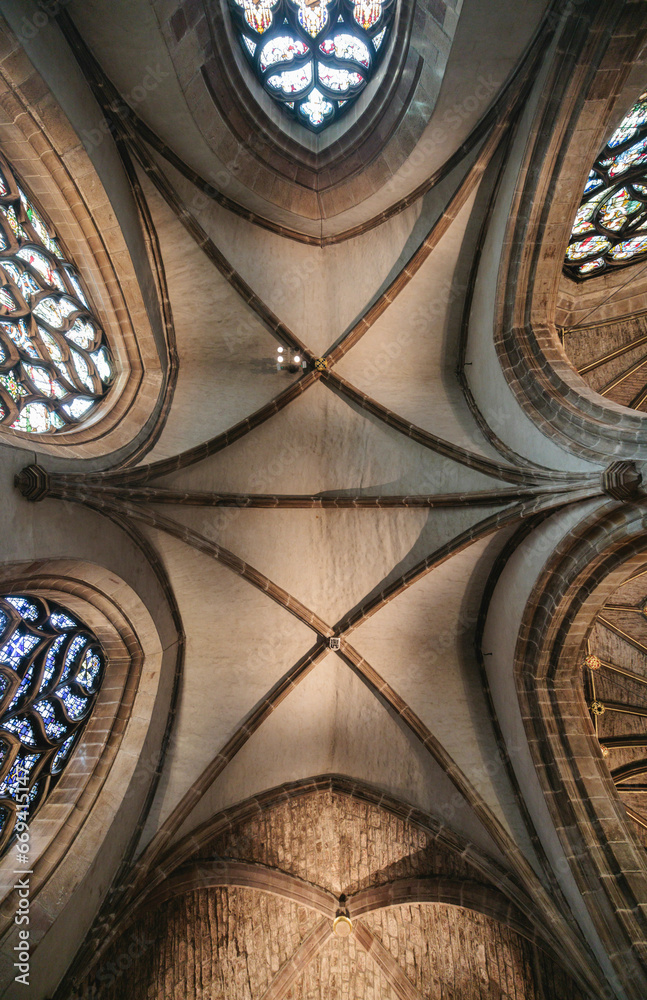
(609, 228)
(314, 56)
(54, 362)
(526, 488)
(51, 670)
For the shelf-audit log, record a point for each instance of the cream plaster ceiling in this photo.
(404, 707)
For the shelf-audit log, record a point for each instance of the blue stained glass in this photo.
(62, 754)
(53, 727)
(75, 705)
(62, 621)
(17, 780)
(611, 208)
(77, 644)
(77, 287)
(20, 336)
(19, 645)
(34, 273)
(28, 286)
(59, 646)
(629, 126)
(622, 162)
(301, 63)
(25, 607)
(50, 662)
(22, 728)
(3, 620)
(11, 270)
(23, 688)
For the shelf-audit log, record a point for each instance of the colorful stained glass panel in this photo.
(291, 81)
(614, 202)
(43, 292)
(340, 80)
(61, 666)
(282, 49)
(326, 39)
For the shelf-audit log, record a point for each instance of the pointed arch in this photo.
(100, 237)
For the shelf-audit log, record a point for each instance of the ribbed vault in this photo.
(251, 912)
(371, 562)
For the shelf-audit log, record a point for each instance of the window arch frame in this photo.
(101, 794)
(45, 702)
(88, 199)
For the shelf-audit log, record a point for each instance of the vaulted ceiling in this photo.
(437, 488)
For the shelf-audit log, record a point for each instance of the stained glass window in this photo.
(51, 669)
(610, 228)
(55, 364)
(313, 56)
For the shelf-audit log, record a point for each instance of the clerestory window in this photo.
(51, 669)
(610, 228)
(55, 365)
(312, 56)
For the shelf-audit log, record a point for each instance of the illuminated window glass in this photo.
(55, 364)
(51, 669)
(610, 228)
(313, 56)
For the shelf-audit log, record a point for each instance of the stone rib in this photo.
(390, 968)
(206, 874)
(288, 975)
(159, 495)
(497, 470)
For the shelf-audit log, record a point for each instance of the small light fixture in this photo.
(287, 362)
(342, 926)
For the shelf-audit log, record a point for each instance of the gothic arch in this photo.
(587, 567)
(56, 167)
(566, 136)
(276, 154)
(97, 802)
(260, 854)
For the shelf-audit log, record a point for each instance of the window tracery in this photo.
(55, 364)
(51, 669)
(313, 56)
(610, 228)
